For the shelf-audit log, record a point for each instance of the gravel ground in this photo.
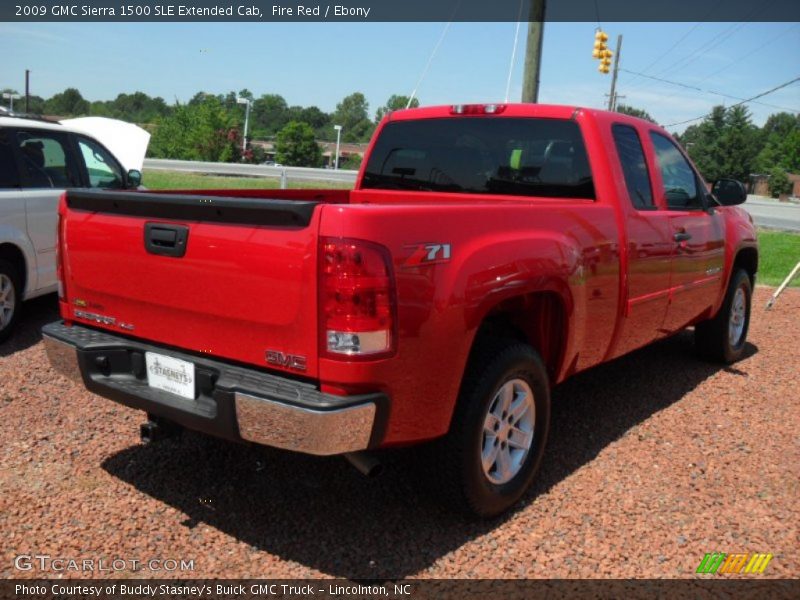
(654, 460)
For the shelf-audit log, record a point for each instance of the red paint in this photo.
(603, 277)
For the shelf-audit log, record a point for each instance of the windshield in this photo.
(482, 155)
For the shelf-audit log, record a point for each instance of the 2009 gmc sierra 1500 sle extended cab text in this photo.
(487, 253)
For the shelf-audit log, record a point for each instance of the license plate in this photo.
(170, 374)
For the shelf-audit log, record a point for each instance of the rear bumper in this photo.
(231, 402)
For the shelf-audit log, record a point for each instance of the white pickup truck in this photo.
(39, 159)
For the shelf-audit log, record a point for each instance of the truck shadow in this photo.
(322, 514)
(35, 313)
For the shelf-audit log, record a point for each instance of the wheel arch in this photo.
(15, 256)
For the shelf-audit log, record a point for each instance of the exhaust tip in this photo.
(366, 464)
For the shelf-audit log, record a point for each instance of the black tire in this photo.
(712, 336)
(10, 274)
(458, 475)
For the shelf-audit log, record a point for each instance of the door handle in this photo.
(682, 236)
(166, 239)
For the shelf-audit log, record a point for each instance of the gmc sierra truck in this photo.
(486, 254)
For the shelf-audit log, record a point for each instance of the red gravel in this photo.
(654, 460)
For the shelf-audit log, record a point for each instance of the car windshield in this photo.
(482, 155)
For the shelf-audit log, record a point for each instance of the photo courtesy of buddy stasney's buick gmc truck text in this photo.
(486, 254)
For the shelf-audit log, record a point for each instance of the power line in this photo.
(694, 87)
(761, 95)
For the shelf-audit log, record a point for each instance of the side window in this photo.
(680, 182)
(634, 166)
(46, 161)
(104, 172)
(9, 177)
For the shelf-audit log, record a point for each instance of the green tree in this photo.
(725, 144)
(68, 103)
(295, 146)
(778, 182)
(203, 130)
(269, 114)
(394, 102)
(352, 114)
(781, 136)
(634, 112)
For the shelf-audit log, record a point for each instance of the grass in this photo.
(779, 253)
(177, 180)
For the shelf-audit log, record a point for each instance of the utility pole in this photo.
(612, 97)
(533, 52)
(27, 90)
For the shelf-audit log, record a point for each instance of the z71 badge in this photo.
(427, 254)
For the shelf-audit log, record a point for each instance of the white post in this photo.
(338, 129)
(247, 103)
(284, 182)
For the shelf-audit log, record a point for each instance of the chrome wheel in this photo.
(737, 317)
(8, 300)
(508, 431)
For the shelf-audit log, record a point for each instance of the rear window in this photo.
(482, 155)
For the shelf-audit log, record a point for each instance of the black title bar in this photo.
(602, 11)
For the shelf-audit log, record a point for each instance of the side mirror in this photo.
(134, 178)
(729, 192)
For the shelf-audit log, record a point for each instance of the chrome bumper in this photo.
(301, 429)
(63, 357)
(244, 404)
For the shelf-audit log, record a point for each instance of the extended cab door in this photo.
(48, 167)
(649, 245)
(697, 234)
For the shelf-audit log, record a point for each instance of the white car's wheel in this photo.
(10, 298)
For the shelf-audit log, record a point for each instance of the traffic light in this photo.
(601, 51)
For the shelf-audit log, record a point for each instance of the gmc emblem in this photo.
(287, 361)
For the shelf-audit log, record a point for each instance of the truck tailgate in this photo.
(231, 277)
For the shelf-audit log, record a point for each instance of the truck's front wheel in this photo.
(499, 430)
(723, 338)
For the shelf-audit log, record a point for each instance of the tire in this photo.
(723, 338)
(459, 474)
(10, 298)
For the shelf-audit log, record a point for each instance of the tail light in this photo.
(477, 109)
(357, 299)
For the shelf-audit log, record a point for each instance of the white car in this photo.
(39, 159)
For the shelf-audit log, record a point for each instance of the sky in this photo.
(320, 63)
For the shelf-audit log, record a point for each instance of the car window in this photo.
(46, 160)
(480, 155)
(634, 166)
(104, 172)
(680, 182)
(9, 176)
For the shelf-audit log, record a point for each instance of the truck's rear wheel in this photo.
(723, 338)
(10, 298)
(499, 430)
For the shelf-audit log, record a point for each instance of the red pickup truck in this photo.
(487, 253)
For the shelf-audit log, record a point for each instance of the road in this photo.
(292, 173)
(773, 214)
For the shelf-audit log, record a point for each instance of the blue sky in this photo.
(320, 63)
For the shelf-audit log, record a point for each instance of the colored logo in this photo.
(721, 563)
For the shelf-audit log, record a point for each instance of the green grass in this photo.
(176, 180)
(779, 252)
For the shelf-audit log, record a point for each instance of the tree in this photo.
(781, 136)
(634, 112)
(352, 114)
(778, 182)
(725, 144)
(295, 146)
(67, 104)
(394, 102)
(203, 130)
(269, 114)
